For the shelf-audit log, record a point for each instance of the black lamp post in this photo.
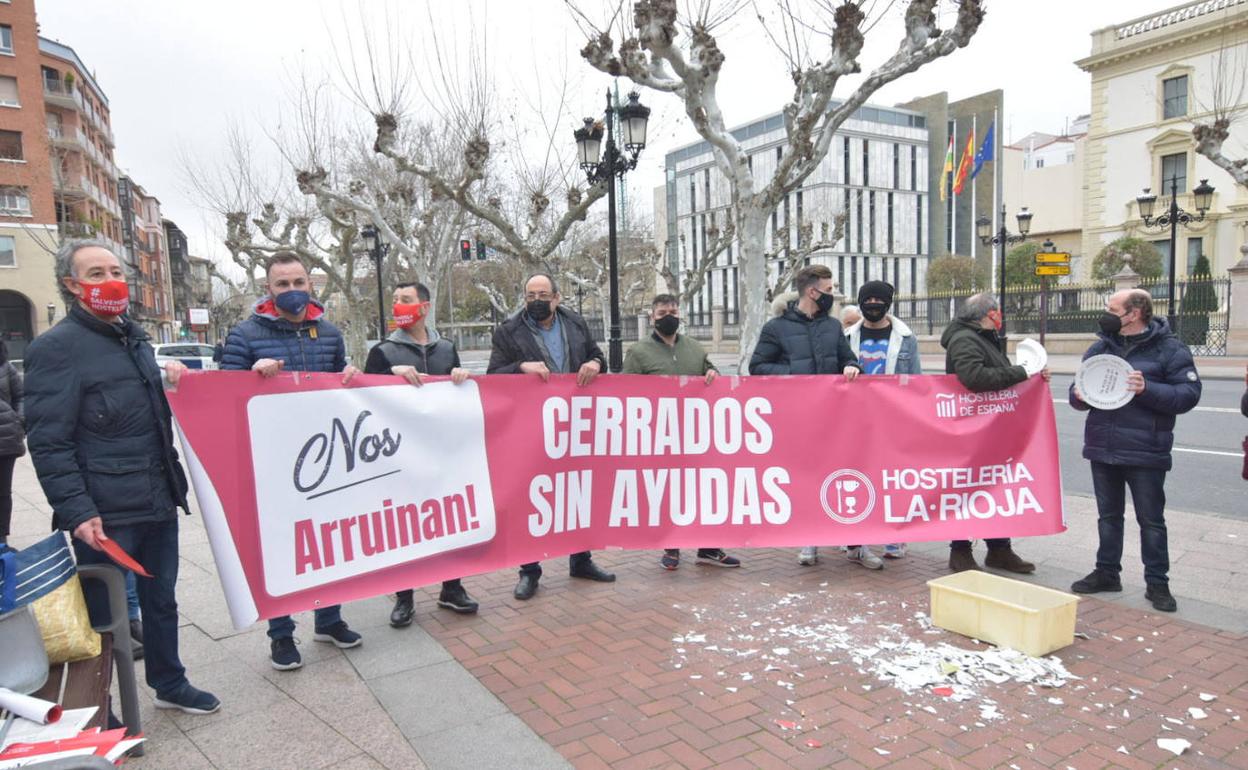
(51, 313)
(599, 169)
(983, 228)
(1172, 218)
(376, 250)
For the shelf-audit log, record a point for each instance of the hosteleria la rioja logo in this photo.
(848, 496)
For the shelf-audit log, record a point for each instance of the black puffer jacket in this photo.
(974, 354)
(514, 343)
(797, 344)
(11, 434)
(1142, 432)
(100, 430)
(439, 356)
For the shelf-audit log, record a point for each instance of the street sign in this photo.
(1052, 258)
(1052, 269)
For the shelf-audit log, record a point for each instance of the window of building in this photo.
(6, 39)
(54, 125)
(1195, 250)
(8, 92)
(918, 230)
(866, 163)
(1174, 97)
(914, 275)
(896, 165)
(858, 221)
(890, 223)
(845, 161)
(8, 251)
(785, 240)
(1173, 167)
(799, 219)
(1039, 162)
(10, 145)
(14, 201)
(840, 273)
(914, 167)
(871, 221)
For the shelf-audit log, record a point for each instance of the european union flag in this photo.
(986, 150)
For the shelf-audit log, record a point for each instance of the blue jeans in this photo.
(1148, 496)
(284, 627)
(155, 546)
(132, 595)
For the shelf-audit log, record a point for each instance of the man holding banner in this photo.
(288, 330)
(411, 352)
(667, 352)
(543, 339)
(973, 353)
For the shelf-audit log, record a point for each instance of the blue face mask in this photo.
(293, 301)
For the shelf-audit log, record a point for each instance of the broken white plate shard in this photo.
(1175, 746)
(731, 689)
(1123, 750)
(882, 752)
(695, 676)
(781, 650)
(1174, 721)
(1057, 701)
(1208, 697)
(1196, 713)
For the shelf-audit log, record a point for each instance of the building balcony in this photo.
(57, 94)
(74, 189)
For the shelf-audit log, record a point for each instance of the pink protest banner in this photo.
(315, 494)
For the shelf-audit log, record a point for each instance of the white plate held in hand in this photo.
(1102, 382)
(1031, 355)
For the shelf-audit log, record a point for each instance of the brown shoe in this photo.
(1006, 559)
(961, 560)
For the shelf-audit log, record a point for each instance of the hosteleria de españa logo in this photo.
(848, 496)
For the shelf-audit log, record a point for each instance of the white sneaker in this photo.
(863, 556)
(808, 556)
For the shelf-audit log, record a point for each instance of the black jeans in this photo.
(155, 546)
(6, 495)
(408, 593)
(1148, 496)
(534, 568)
(993, 543)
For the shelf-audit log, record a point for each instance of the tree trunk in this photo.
(431, 277)
(752, 279)
(355, 333)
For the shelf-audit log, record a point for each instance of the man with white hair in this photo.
(101, 437)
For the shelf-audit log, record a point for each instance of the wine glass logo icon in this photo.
(848, 496)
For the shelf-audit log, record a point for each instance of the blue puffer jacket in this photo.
(315, 345)
(1142, 432)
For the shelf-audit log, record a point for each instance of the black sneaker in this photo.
(670, 559)
(717, 557)
(590, 571)
(339, 635)
(284, 656)
(1096, 582)
(456, 598)
(403, 612)
(1159, 595)
(189, 700)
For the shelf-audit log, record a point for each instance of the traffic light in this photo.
(480, 250)
(465, 250)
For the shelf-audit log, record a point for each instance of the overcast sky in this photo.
(177, 74)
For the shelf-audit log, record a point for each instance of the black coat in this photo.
(794, 343)
(514, 343)
(974, 354)
(439, 356)
(99, 426)
(1141, 433)
(11, 434)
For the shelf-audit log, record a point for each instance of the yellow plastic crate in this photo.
(1005, 612)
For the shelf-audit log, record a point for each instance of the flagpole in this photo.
(996, 188)
(974, 125)
(953, 197)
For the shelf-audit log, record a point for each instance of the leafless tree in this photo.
(1226, 106)
(649, 54)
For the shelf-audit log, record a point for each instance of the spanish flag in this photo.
(947, 170)
(964, 165)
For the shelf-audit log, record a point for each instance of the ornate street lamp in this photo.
(634, 118)
(1173, 217)
(376, 250)
(983, 228)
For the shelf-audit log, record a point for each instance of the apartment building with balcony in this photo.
(144, 247)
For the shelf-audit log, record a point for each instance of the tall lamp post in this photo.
(1172, 218)
(601, 169)
(376, 250)
(983, 228)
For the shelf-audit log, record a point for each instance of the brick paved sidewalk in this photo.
(595, 671)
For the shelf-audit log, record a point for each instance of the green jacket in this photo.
(973, 353)
(654, 356)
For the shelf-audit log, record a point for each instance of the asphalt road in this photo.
(1208, 455)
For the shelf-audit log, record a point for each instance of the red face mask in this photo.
(406, 316)
(109, 298)
(996, 321)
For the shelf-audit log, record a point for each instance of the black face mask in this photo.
(1110, 324)
(874, 311)
(825, 302)
(538, 309)
(667, 325)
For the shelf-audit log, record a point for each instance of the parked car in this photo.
(195, 355)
